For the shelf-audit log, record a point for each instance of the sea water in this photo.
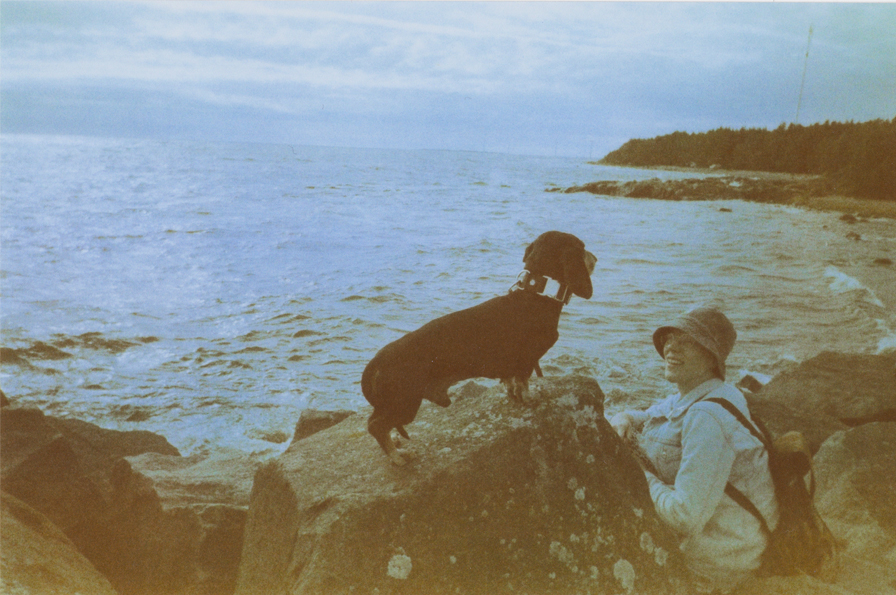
(210, 292)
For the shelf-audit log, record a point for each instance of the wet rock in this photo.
(37, 557)
(312, 421)
(500, 498)
(822, 393)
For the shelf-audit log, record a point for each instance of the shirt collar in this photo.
(685, 401)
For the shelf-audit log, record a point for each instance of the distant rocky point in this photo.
(766, 188)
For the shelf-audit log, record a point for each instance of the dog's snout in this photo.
(590, 261)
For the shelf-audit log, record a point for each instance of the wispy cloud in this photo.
(483, 67)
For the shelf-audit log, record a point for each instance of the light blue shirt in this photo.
(697, 447)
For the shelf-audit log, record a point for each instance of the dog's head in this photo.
(562, 256)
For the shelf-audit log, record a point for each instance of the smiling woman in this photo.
(695, 347)
(693, 449)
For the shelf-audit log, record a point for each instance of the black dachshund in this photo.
(502, 338)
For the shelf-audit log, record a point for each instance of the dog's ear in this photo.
(576, 271)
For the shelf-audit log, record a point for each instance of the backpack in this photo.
(801, 542)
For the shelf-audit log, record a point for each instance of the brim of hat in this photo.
(659, 337)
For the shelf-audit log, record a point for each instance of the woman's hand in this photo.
(624, 424)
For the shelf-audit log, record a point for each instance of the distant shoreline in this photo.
(799, 190)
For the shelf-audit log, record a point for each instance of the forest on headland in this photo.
(858, 159)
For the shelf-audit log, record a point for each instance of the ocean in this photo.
(210, 292)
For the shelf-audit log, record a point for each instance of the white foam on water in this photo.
(843, 283)
(762, 378)
(888, 341)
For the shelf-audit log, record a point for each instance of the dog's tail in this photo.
(402, 432)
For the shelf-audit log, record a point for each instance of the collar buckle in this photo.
(544, 286)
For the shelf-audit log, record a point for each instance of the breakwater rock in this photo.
(828, 393)
(537, 499)
(134, 510)
(500, 498)
(766, 188)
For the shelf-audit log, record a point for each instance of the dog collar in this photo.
(544, 286)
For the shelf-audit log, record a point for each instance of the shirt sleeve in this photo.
(706, 460)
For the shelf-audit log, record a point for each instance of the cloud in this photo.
(487, 74)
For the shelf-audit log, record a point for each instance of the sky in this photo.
(553, 78)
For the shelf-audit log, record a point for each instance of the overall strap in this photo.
(734, 493)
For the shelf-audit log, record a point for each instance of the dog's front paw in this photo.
(397, 459)
(400, 458)
(517, 389)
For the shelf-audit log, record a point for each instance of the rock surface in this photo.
(828, 393)
(151, 521)
(856, 472)
(37, 558)
(63, 468)
(312, 421)
(501, 498)
(190, 516)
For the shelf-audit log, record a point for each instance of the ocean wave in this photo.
(887, 343)
(843, 283)
(287, 318)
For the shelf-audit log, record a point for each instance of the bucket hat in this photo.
(706, 325)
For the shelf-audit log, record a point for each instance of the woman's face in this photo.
(688, 364)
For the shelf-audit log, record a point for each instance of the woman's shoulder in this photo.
(725, 391)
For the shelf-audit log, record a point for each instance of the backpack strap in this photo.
(742, 419)
(739, 497)
(734, 493)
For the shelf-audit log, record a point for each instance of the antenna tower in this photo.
(799, 102)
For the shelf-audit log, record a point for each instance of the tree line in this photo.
(858, 159)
